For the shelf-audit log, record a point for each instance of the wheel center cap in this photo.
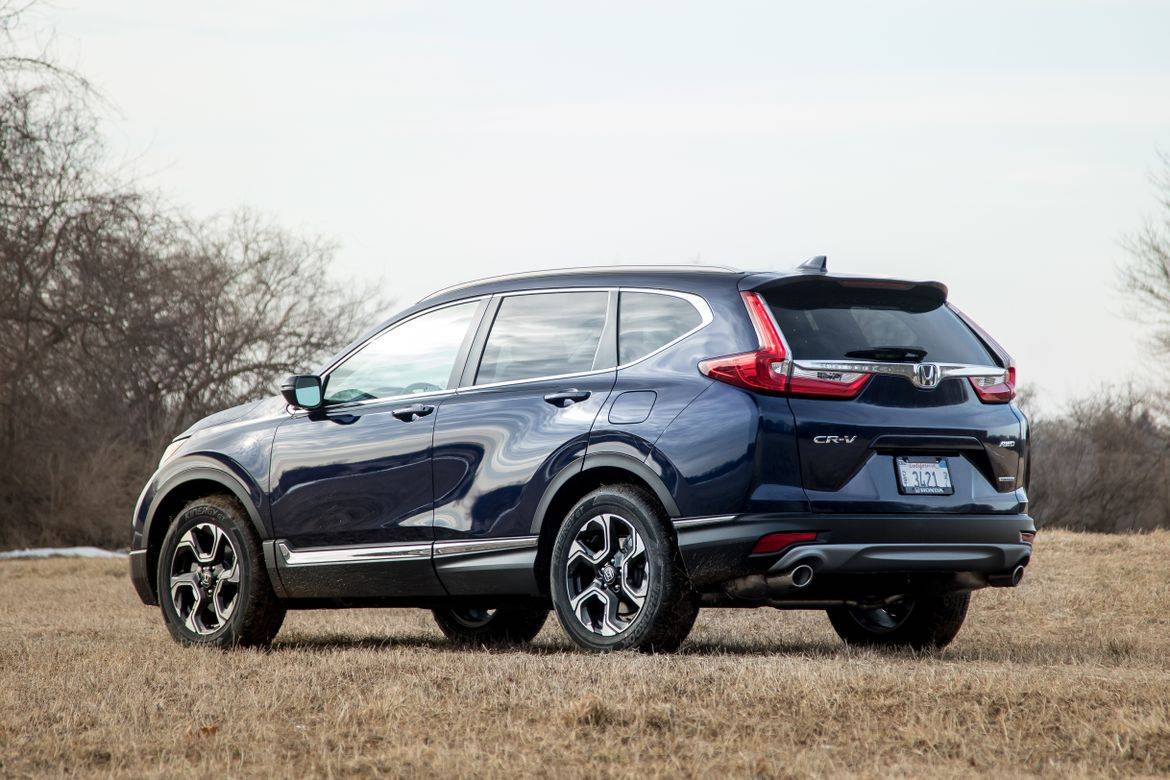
(608, 573)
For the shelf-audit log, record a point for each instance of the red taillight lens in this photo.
(763, 369)
(767, 368)
(996, 389)
(774, 543)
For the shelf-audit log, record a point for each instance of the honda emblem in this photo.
(926, 375)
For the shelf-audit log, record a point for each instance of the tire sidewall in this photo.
(199, 513)
(659, 558)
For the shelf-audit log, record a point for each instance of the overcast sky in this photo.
(1002, 147)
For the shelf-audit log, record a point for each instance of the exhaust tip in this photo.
(802, 575)
(1017, 575)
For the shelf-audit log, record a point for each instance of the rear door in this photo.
(542, 367)
(930, 429)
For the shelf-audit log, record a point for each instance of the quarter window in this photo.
(544, 334)
(647, 321)
(414, 357)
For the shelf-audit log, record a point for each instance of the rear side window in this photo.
(875, 327)
(544, 335)
(647, 321)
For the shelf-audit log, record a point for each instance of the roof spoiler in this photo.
(812, 284)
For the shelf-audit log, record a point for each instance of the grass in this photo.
(1067, 675)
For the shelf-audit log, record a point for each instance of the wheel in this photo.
(479, 626)
(213, 587)
(617, 579)
(919, 622)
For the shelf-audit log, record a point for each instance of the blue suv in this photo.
(622, 445)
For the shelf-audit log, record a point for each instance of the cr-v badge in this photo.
(834, 439)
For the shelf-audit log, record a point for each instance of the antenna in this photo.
(816, 265)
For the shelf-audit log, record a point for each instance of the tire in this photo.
(213, 587)
(640, 562)
(921, 622)
(486, 627)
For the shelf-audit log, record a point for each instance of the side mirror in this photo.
(302, 390)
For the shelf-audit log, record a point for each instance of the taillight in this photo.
(997, 389)
(774, 543)
(768, 369)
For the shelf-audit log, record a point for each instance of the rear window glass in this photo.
(884, 329)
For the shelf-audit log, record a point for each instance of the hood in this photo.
(245, 411)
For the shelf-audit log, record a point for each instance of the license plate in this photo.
(924, 476)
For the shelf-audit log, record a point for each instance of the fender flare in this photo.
(204, 471)
(635, 467)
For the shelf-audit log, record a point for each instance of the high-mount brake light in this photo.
(996, 389)
(769, 369)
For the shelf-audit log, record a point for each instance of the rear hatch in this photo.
(899, 404)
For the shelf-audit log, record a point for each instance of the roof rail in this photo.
(582, 269)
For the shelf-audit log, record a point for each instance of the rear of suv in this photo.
(622, 445)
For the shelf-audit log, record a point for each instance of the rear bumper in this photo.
(719, 548)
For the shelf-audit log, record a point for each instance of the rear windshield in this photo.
(874, 327)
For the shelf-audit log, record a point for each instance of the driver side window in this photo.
(414, 357)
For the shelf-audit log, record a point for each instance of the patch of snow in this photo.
(61, 552)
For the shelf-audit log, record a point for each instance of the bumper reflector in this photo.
(773, 543)
(1026, 537)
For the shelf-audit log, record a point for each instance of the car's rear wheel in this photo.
(617, 579)
(213, 587)
(484, 626)
(920, 622)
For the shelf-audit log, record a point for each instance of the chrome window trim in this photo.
(323, 556)
(452, 547)
(698, 301)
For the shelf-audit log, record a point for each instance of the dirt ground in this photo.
(1067, 675)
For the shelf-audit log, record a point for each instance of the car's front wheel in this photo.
(617, 580)
(213, 587)
(485, 626)
(920, 622)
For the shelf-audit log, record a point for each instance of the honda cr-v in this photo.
(622, 445)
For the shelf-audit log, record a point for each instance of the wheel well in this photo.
(569, 494)
(166, 512)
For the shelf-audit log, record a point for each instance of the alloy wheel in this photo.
(607, 574)
(204, 578)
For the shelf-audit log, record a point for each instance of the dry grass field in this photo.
(1068, 675)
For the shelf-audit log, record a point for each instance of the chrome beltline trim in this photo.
(694, 522)
(451, 547)
(364, 554)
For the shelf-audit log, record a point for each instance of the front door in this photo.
(545, 369)
(351, 483)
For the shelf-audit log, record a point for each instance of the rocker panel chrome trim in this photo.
(453, 547)
(321, 556)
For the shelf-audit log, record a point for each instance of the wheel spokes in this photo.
(205, 578)
(607, 575)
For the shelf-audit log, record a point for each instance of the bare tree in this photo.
(121, 321)
(1146, 277)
